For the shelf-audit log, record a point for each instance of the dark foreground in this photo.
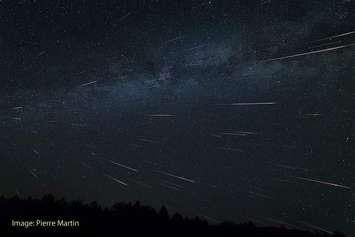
(51, 216)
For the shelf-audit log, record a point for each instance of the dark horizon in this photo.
(51, 215)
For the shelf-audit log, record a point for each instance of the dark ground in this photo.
(124, 219)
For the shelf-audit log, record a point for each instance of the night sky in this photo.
(231, 110)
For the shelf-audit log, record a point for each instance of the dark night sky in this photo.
(231, 110)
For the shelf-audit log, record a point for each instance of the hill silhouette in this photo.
(122, 219)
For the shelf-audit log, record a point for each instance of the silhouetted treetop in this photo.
(136, 219)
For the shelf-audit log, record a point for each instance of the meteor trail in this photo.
(251, 104)
(35, 151)
(79, 125)
(124, 17)
(310, 53)
(211, 219)
(116, 180)
(336, 36)
(89, 83)
(161, 115)
(216, 135)
(169, 186)
(288, 167)
(147, 140)
(315, 227)
(173, 184)
(233, 134)
(282, 223)
(230, 149)
(33, 174)
(261, 195)
(196, 47)
(123, 166)
(323, 182)
(175, 176)
(173, 40)
(312, 115)
(238, 133)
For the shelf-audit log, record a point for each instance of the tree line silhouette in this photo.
(124, 219)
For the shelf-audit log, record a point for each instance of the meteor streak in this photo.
(161, 115)
(124, 17)
(173, 40)
(251, 104)
(323, 182)
(336, 36)
(238, 133)
(315, 227)
(175, 176)
(170, 187)
(313, 115)
(33, 174)
(230, 149)
(310, 53)
(89, 83)
(123, 166)
(35, 151)
(116, 180)
(282, 223)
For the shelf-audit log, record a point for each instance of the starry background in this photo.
(230, 110)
